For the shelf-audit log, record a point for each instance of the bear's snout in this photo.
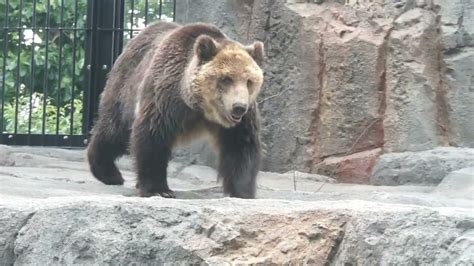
(238, 110)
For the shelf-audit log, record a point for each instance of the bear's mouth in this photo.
(235, 118)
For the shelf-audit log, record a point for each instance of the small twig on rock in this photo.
(355, 143)
(294, 179)
(362, 134)
(273, 96)
(351, 149)
(320, 187)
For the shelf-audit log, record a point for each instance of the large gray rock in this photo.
(347, 118)
(11, 222)
(460, 95)
(457, 24)
(5, 156)
(386, 237)
(111, 230)
(53, 212)
(412, 120)
(425, 167)
(458, 184)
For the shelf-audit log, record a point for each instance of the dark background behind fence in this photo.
(55, 55)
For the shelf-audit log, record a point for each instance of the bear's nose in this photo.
(238, 109)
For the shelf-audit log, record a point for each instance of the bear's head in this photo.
(224, 79)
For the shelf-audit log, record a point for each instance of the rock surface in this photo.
(118, 230)
(458, 184)
(353, 168)
(5, 158)
(52, 211)
(348, 77)
(426, 167)
(457, 24)
(412, 119)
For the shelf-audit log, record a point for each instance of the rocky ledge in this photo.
(52, 211)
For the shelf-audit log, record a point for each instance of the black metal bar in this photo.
(4, 67)
(60, 63)
(32, 71)
(102, 56)
(90, 62)
(174, 10)
(118, 29)
(17, 82)
(131, 18)
(160, 9)
(114, 15)
(146, 12)
(96, 64)
(46, 63)
(73, 88)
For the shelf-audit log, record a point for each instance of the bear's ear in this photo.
(257, 52)
(205, 48)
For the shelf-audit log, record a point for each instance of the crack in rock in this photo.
(8, 253)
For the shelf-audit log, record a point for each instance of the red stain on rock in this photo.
(353, 168)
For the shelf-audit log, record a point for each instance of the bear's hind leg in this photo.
(102, 152)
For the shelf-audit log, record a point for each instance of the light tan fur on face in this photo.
(233, 61)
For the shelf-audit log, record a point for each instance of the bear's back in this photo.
(164, 45)
(138, 49)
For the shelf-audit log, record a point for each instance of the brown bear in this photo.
(171, 84)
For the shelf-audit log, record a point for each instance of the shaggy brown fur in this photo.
(171, 84)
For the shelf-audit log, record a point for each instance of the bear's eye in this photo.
(227, 81)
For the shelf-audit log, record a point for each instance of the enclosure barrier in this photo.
(54, 61)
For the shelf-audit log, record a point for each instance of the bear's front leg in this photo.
(150, 148)
(239, 158)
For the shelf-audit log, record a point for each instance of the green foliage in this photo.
(136, 17)
(52, 116)
(49, 64)
(32, 63)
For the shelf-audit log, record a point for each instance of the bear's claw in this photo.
(165, 194)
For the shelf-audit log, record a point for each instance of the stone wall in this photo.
(346, 81)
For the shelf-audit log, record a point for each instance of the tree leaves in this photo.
(33, 36)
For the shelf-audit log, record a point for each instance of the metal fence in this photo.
(54, 61)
